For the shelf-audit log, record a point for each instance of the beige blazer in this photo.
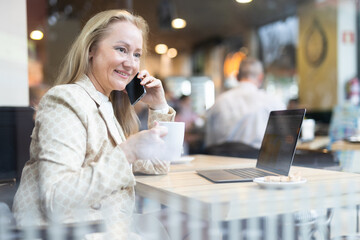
(76, 167)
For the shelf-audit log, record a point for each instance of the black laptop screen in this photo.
(279, 142)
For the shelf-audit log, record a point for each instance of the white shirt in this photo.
(240, 115)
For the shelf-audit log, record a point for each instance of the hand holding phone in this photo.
(135, 90)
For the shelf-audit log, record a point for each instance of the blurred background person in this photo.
(293, 103)
(185, 113)
(193, 122)
(240, 114)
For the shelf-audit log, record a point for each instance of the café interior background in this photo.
(309, 47)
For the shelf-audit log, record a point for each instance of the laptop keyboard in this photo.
(249, 172)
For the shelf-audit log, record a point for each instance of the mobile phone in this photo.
(135, 90)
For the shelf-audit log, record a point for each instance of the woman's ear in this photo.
(91, 52)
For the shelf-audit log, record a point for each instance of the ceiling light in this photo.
(244, 1)
(172, 52)
(36, 35)
(178, 23)
(161, 48)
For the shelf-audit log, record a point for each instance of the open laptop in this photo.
(276, 152)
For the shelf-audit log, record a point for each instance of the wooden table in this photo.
(342, 145)
(208, 162)
(184, 190)
(322, 142)
(319, 142)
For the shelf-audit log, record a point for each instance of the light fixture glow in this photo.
(172, 52)
(244, 1)
(36, 35)
(161, 48)
(178, 23)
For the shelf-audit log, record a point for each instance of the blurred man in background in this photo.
(241, 114)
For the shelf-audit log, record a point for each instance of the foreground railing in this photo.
(329, 215)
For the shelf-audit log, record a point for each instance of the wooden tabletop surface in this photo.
(183, 189)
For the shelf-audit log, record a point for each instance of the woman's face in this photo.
(115, 59)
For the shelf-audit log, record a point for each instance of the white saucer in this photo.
(261, 182)
(353, 139)
(184, 159)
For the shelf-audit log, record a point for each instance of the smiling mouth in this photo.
(122, 73)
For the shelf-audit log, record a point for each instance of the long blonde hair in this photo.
(76, 63)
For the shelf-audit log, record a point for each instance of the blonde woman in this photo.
(85, 144)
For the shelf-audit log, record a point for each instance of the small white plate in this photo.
(184, 159)
(353, 139)
(261, 182)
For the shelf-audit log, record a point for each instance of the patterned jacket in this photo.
(76, 169)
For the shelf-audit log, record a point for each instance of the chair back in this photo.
(16, 125)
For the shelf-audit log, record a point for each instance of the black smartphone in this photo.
(135, 90)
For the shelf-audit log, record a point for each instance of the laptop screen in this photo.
(279, 142)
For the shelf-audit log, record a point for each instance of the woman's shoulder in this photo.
(65, 99)
(66, 91)
(69, 94)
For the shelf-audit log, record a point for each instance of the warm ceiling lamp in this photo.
(171, 53)
(36, 35)
(178, 23)
(244, 1)
(161, 48)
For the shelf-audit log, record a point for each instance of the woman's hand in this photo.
(155, 95)
(147, 144)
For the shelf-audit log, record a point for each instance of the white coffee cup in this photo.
(308, 130)
(174, 140)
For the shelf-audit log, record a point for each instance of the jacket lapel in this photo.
(108, 117)
(104, 108)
